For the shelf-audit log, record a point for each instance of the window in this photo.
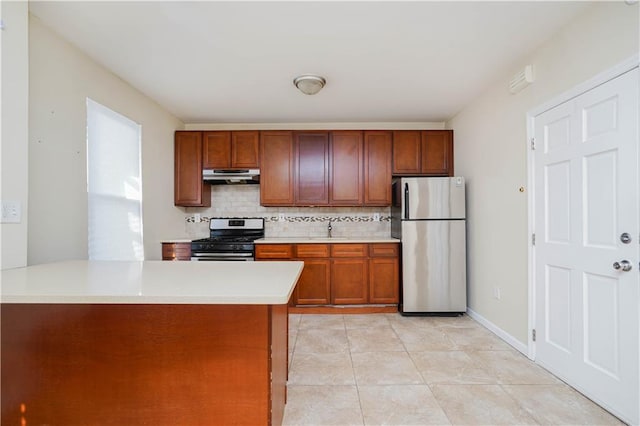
(114, 185)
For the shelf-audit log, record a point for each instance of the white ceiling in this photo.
(235, 61)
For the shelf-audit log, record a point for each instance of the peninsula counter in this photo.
(162, 343)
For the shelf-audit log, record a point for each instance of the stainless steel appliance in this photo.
(224, 176)
(229, 239)
(428, 215)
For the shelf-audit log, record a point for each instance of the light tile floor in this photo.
(385, 369)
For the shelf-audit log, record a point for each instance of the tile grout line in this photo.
(423, 378)
(518, 404)
(353, 371)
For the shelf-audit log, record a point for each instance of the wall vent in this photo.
(521, 80)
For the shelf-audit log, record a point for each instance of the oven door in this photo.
(218, 257)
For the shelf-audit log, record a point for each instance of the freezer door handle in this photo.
(406, 201)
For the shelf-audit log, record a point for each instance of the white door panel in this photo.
(558, 300)
(557, 187)
(586, 195)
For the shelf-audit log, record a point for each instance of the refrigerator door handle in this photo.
(406, 201)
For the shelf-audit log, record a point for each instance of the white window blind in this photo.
(114, 185)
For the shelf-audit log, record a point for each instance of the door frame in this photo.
(599, 79)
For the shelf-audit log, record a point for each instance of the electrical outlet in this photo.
(281, 217)
(376, 217)
(496, 293)
(196, 217)
(11, 212)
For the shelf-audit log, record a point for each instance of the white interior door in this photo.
(586, 196)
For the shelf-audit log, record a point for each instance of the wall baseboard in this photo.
(517, 344)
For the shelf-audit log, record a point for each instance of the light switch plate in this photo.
(11, 212)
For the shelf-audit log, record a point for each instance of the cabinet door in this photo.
(312, 250)
(349, 250)
(189, 188)
(377, 168)
(216, 150)
(349, 281)
(276, 172)
(384, 250)
(383, 280)
(406, 152)
(313, 287)
(437, 152)
(274, 251)
(176, 251)
(312, 168)
(345, 187)
(245, 150)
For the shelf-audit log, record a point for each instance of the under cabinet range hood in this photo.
(226, 176)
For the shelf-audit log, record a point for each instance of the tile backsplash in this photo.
(244, 201)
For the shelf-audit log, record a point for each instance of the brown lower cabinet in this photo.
(349, 281)
(314, 285)
(176, 251)
(341, 274)
(383, 280)
(135, 364)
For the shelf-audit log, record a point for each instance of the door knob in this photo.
(625, 238)
(625, 265)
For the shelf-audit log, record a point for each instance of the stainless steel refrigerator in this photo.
(428, 215)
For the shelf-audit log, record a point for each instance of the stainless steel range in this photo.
(229, 239)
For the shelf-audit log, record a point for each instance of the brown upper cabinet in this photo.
(345, 182)
(231, 150)
(437, 152)
(312, 168)
(189, 188)
(337, 168)
(311, 159)
(276, 172)
(377, 168)
(426, 152)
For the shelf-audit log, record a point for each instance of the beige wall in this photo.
(60, 79)
(491, 152)
(15, 112)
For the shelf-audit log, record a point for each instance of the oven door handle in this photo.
(204, 255)
(212, 257)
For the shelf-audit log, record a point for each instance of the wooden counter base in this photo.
(68, 364)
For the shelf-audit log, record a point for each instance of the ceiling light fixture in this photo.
(309, 84)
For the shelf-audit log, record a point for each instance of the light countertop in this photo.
(156, 282)
(178, 240)
(326, 240)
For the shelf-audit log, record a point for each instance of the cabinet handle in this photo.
(406, 201)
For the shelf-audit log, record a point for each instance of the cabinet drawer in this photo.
(349, 250)
(312, 250)
(383, 250)
(176, 251)
(274, 251)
